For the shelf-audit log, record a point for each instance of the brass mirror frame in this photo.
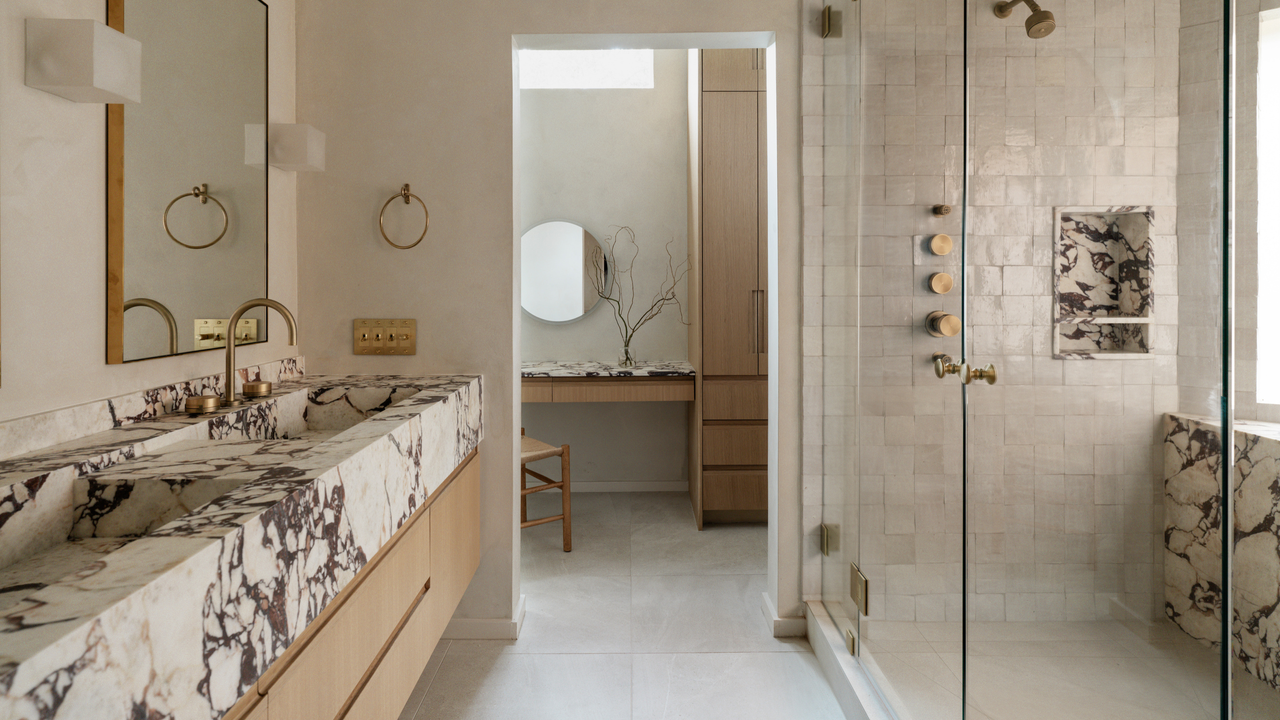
(115, 204)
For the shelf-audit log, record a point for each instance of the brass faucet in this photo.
(164, 312)
(229, 393)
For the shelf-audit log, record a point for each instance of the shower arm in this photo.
(1005, 9)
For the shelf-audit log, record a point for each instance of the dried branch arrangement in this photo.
(621, 292)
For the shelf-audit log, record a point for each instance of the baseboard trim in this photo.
(781, 627)
(858, 696)
(584, 486)
(486, 628)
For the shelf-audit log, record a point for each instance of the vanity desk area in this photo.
(566, 382)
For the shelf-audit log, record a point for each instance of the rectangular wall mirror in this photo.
(186, 200)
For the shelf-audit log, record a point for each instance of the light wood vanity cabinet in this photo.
(732, 247)
(362, 657)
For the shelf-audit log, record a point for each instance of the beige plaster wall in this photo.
(423, 93)
(53, 237)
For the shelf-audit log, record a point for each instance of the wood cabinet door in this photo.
(730, 229)
(732, 70)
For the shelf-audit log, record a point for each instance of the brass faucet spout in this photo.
(229, 392)
(164, 313)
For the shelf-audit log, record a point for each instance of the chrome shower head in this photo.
(1039, 24)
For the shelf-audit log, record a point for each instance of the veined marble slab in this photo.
(1193, 537)
(552, 368)
(181, 622)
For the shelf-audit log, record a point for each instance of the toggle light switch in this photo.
(372, 336)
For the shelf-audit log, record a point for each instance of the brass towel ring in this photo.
(202, 194)
(404, 193)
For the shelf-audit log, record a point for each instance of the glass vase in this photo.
(626, 357)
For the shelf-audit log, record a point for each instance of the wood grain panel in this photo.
(729, 233)
(624, 390)
(333, 661)
(735, 445)
(746, 399)
(731, 70)
(735, 490)
(389, 685)
(762, 225)
(538, 391)
(455, 545)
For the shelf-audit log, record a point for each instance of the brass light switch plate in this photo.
(212, 332)
(858, 588)
(381, 336)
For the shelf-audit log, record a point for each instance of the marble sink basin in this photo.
(271, 439)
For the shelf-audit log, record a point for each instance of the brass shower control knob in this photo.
(941, 210)
(987, 373)
(941, 244)
(941, 324)
(941, 283)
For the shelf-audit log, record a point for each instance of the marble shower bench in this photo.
(1193, 537)
(154, 564)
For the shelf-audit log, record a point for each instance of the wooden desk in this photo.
(545, 382)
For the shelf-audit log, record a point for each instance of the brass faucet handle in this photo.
(942, 365)
(987, 373)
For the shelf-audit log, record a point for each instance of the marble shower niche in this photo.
(1102, 272)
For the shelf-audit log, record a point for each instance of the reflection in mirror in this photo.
(556, 265)
(186, 216)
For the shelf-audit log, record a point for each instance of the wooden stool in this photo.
(531, 450)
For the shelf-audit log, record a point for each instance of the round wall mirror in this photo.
(560, 266)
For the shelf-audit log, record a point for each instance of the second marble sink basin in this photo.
(269, 441)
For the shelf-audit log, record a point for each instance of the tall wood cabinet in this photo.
(731, 417)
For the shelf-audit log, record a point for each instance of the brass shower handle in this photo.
(942, 365)
(987, 373)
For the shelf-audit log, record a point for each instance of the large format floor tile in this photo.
(742, 686)
(646, 618)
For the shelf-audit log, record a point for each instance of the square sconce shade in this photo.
(83, 61)
(287, 146)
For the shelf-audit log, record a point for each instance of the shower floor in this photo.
(1047, 671)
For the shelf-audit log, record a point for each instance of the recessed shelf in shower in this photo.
(1102, 292)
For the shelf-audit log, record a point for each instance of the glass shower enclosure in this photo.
(1042, 251)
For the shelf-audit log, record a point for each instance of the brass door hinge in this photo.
(851, 642)
(858, 588)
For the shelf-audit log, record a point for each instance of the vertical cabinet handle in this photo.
(755, 323)
(762, 322)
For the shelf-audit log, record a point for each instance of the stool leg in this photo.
(524, 499)
(564, 498)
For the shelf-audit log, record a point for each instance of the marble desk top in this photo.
(588, 368)
(271, 520)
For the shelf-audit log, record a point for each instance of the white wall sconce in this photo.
(83, 61)
(287, 146)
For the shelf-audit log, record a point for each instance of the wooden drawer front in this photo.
(735, 445)
(730, 490)
(392, 682)
(329, 667)
(735, 399)
(636, 390)
(455, 544)
(535, 391)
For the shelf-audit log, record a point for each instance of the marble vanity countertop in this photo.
(270, 519)
(553, 368)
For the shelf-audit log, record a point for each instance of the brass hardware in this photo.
(941, 324)
(203, 404)
(164, 312)
(258, 389)
(229, 391)
(384, 337)
(859, 588)
(941, 283)
(941, 210)
(941, 244)
(212, 332)
(826, 21)
(830, 538)
(987, 373)
(404, 193)
(200, 193)
(850, 639)
(942, 365)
